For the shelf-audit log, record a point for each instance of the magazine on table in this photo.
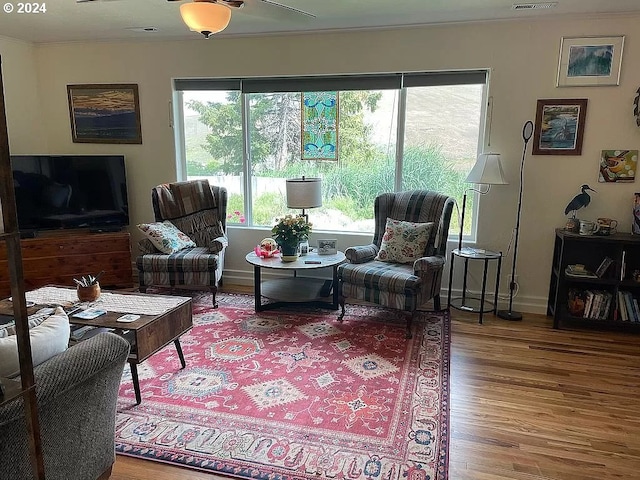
(90, 313)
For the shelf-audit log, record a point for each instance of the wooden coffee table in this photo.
(296, 289)
(146, 335)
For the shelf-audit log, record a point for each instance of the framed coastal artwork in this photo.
(104, 113)
(559, 127)
(590, 61)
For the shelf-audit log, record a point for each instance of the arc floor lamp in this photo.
(527, 131)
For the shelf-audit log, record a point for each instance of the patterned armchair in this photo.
(401, 286)
(200, 211)
(76, 391)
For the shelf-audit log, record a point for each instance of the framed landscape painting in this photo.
(590, 61)
(104, 113)
(559, 127)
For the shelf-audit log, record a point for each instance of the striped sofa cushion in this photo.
(382, 276)
(198, 259)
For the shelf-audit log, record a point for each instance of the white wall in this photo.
(25, 123)
(522, 56)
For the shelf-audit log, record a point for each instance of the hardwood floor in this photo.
(527, 403)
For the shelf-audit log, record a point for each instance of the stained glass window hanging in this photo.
(319, 126)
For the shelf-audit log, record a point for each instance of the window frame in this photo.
(399, 80)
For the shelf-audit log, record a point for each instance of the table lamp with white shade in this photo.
(304, 193)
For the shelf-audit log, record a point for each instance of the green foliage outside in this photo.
(352, 191)
(349, 185)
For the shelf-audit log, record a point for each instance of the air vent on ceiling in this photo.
(533, 6)
(143, 29)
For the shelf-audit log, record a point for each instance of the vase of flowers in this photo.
(288, 232)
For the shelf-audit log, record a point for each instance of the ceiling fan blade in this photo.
(276, 4)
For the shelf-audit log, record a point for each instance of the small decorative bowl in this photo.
(89, 294)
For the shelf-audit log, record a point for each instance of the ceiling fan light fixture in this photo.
(205, 17)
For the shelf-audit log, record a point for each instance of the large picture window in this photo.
(395, 132)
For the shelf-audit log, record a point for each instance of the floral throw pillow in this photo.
(404, 242)
(166, 237)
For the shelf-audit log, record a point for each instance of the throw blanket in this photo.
(184, 198)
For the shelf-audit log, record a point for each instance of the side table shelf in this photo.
(468, 302)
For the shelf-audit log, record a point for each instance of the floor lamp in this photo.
(487, 171)
(527, 131)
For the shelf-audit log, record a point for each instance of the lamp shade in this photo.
(304, 192)
(487, 170)
(205, 17)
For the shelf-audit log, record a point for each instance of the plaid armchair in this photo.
(401, 286)
(200, 211)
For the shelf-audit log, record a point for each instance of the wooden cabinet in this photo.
(58, 258)
(567, 292)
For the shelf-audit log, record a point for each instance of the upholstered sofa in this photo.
(76, 393)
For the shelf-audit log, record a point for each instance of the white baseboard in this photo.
(526, 304)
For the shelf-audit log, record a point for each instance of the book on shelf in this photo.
(597, 305)
(578, 271)
(606, 306)
(589, 303)
(604, 266)
(628, 302)
(622, 308)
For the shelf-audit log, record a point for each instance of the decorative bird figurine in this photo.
(579, 201)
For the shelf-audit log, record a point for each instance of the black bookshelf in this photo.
(622, 275)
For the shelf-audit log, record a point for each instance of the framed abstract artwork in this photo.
(590, 61)
(559, 127)
(319, 126)
(104, 113)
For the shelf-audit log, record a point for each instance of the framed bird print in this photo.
(559, 127)
(618, 166)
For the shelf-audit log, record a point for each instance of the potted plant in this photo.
(288, 232)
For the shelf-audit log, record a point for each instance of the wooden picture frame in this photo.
(104, 113)
(590, 61)
(559, 126)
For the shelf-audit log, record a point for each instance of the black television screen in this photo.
(70, 191)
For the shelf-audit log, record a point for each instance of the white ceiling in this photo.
(66, 20)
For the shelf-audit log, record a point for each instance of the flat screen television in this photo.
(70, 192)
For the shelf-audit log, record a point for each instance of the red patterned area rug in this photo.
(293, 394)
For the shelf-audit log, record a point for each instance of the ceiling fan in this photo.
(213, 16)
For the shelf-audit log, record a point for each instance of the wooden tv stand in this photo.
(57, 257)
